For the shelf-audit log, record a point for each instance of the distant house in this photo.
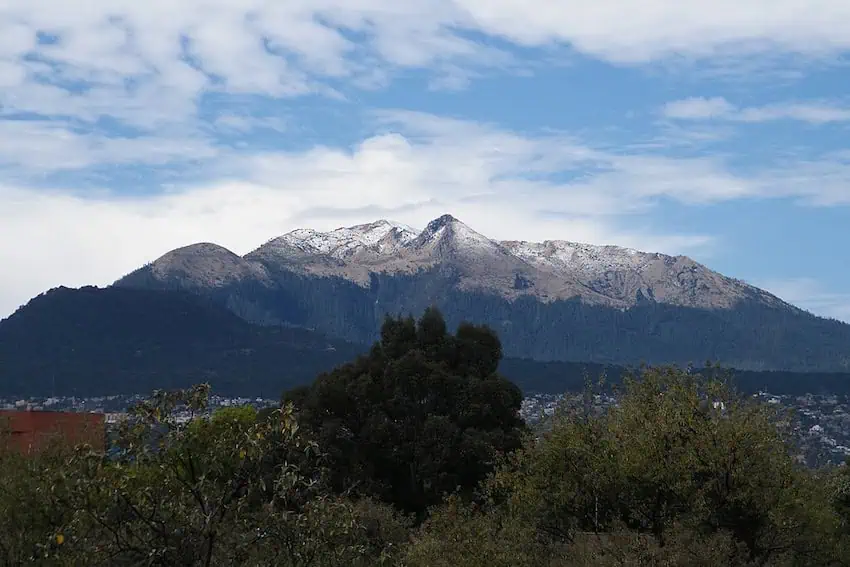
(30, 431)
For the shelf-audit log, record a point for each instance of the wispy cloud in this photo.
(34, 148)
(149, 63)
(811, 113)
(699, 108)
(718, 108)
(242, 123)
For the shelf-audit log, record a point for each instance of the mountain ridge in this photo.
(553, 300)
(549, 270)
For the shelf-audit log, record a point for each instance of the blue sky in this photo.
(718, 129)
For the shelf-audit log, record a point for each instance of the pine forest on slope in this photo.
(94, 342)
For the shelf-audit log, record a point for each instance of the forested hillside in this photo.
(750, 336)
(92, 342)
(413, 456)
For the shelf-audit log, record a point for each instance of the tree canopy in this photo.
(225, 490)
(422, 415)
(682, 471)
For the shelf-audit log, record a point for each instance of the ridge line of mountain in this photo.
(549, 270)
(553, 300)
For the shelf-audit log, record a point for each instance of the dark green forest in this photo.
(752, 336)
(94, 342)
(413, 455)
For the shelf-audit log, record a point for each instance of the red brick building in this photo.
(29, 431)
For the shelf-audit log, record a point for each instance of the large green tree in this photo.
(423, 414)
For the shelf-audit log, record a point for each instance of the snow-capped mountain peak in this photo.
(380, 237)
(447, 233)
(551, 270)
(379, 227)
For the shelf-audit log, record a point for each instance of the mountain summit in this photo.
(548, 271)
(449, 236)
(551, 300)
(381, 237)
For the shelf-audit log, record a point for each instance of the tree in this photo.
(224, 490)
(462, 534)
(422, 415)
(680, 456)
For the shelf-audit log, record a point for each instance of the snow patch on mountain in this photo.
(549, 271)
(382, 237)
(449, 236)
(561, 256)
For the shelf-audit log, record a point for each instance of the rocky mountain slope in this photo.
(548, 271)
(553, 300)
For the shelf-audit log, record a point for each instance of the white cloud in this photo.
(641, 30)
(148, 63)
(811, 113)
(700, 108)
(503, 184)
(37, 147)
(812, 296)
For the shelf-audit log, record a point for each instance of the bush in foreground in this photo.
(229, 490)
(681, 472)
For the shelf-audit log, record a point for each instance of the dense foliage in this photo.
(230, 490)
(422, 415)
(681, 472)
(94, 342)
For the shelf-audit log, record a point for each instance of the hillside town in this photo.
(820, 424)
(115, 407)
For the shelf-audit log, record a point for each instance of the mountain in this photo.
(548, 271)
(93, 342)
(107, 341)
(554, 300)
